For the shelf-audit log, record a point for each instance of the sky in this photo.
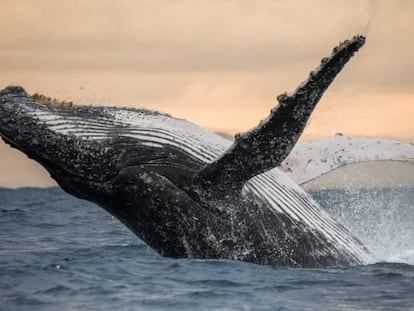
(219, 64)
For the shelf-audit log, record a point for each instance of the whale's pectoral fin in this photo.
(267, 145)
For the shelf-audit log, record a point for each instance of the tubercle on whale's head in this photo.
(40, 98)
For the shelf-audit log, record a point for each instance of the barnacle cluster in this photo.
(52, 101)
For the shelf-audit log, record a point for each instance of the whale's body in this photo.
(183, 190)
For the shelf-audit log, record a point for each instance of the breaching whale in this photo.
(185, 191)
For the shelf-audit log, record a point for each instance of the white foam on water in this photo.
(382, 219)
(405, 256)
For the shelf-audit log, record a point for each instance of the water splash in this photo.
(381, 218)
(373, 9)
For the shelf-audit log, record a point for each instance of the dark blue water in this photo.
(60, 253)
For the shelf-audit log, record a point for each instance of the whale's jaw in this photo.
(184, 191)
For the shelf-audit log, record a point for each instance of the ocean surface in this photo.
(61, 253)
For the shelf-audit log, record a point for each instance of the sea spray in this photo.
(381, 218)
(373, 9)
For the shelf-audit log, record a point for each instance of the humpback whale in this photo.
(183, 190)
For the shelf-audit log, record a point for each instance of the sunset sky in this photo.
(219, 64)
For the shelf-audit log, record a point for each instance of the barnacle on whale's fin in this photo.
(267, 145)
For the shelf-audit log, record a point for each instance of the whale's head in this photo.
(135, 163)
(40, 128)
(84, 146)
